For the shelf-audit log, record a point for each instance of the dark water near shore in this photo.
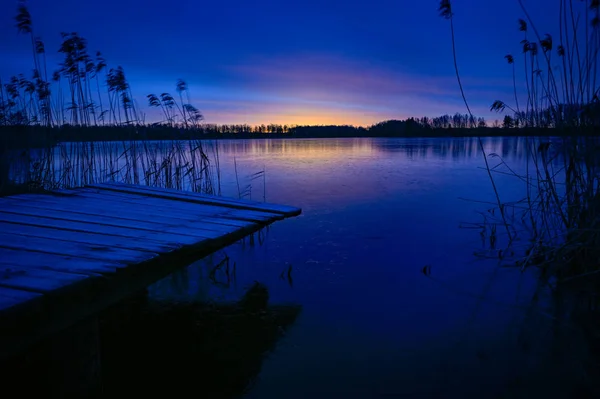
(375, 212)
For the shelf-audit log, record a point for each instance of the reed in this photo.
(178, 164)
(556, 225)
(72, 95)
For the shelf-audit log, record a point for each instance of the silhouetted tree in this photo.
(508, 122)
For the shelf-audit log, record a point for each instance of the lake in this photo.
(373, 324)
(402, 293)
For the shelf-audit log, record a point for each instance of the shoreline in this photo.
(38, 136)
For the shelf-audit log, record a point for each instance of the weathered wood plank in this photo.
(38, 280)
(183, 210)
(66, 264)
(199, 198)
(149, 197)
(89, 207)
(82, 204)
(119, 211)
(97, 228)
(156, 202)
(110, 221)
(213, 199)
(90, 251)
(88, 238)
(9, 298)
(225, 201)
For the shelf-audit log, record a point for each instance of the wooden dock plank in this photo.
(225, 201)
(88, 238)
(38, 280)
(221, 215)
(123, 212)
(245, 204)
(143, 199)
(172, 214)
(90, 251)
(149, 197)
(150, 225)
(97, 228)
(199, 198)
(65, 264)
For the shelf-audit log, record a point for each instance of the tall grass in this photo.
(556, 226)
(74, 95)
(178, 164)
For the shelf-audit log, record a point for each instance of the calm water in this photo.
(375, 211)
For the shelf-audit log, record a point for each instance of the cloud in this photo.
(325, 89)
(328, 77)
(343, 86)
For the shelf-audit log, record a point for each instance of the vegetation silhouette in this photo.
(555, 228)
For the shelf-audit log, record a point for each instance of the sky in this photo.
(293, 62)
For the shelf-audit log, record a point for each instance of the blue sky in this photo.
(295, 62)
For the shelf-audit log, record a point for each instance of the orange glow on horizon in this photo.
(300, 116)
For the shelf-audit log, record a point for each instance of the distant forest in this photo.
(444, 126)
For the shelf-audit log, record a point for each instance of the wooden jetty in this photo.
(66, 255)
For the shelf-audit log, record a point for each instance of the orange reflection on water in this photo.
(314, 149)
(340, 148)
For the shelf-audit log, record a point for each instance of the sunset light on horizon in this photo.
(393, 61)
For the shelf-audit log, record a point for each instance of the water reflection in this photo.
(419, 148)
(177, 162)
(375, 212)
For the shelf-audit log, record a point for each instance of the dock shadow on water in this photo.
(173, 349)
(147, 346)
